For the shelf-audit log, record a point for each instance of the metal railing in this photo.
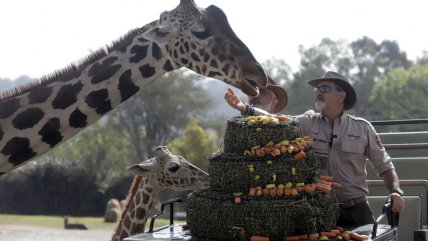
(399, 122)
(405, 183)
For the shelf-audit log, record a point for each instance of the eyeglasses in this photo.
(323, 88)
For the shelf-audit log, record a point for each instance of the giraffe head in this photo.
(170, 171)
(203, 41)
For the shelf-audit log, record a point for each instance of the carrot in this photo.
(259, 238)
(356, 236)
(304, 237)
(299, 156)
(323, 188)
(296, 148)
(326, 178)
(328, 234)
(252, 191)
(325, 183)
(345, 236)
(185, 226)
(294, 192)
(287, 191)
(283, 149)
(265, 191)
(275, 150)
(280, 192)
(336, 231)
(237, 200)
(272, 192)
(314, 236)
(278, 146)
(340, 228)
(308, 189)
(300, 147)
(292, 238)
(336, 185)
(281, 117)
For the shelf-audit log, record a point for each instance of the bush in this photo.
(51, 188)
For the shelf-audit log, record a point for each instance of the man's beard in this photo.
(320, 105)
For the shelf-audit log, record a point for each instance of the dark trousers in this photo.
(355, 216)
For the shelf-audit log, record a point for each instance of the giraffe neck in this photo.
(46, 115)
(139, 203)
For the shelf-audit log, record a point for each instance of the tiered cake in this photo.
(265, 183)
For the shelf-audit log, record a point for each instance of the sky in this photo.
(38, 37)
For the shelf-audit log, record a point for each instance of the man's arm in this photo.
(235, 102)
(391, 181)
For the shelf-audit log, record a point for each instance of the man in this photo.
(271, 99)
(342, 143)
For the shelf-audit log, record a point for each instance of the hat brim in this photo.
(351, 94)
(281, 95)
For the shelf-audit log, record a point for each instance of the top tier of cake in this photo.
(243, 133)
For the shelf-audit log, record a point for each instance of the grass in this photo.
(57, 222)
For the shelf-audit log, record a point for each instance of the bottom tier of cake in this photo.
(215, 216)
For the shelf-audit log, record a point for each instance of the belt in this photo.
(352, 202)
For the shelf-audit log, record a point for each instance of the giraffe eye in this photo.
(173, 167)
(201, 34)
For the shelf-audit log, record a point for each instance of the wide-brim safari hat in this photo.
(281, 95)
(351, 94)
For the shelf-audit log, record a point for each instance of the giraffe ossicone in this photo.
(166, 170)
(40, 116)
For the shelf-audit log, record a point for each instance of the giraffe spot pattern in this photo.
(141, 213)
(50, 132)
(99, 101)
(127, 88)
(9, 107)
(77, 119)
(147, 71)
(195, 57)
(27, 118)
(104, 70)
(146, 198)
(39, 95)
(140, 52)
(168, 66)
(67, 96)
(156, 52)
(19, 150)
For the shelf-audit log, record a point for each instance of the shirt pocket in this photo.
(353, 147)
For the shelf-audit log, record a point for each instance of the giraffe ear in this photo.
(140, 169)
(158, 34)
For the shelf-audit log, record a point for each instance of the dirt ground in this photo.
(34, 233)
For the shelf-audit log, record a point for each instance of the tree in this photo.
(196, 145)
(159, 113)
(401, 94)
(315, 61)
(372, 60)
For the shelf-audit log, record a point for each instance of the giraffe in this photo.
(40, 116)
(164, 171)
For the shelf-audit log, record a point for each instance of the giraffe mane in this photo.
(132, 190)
(74, 69)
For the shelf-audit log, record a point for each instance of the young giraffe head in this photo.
(167, 170)
(153, 175)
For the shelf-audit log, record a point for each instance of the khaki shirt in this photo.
(343, 150)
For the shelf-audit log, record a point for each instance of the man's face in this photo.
(326, 95)
(266, 100)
